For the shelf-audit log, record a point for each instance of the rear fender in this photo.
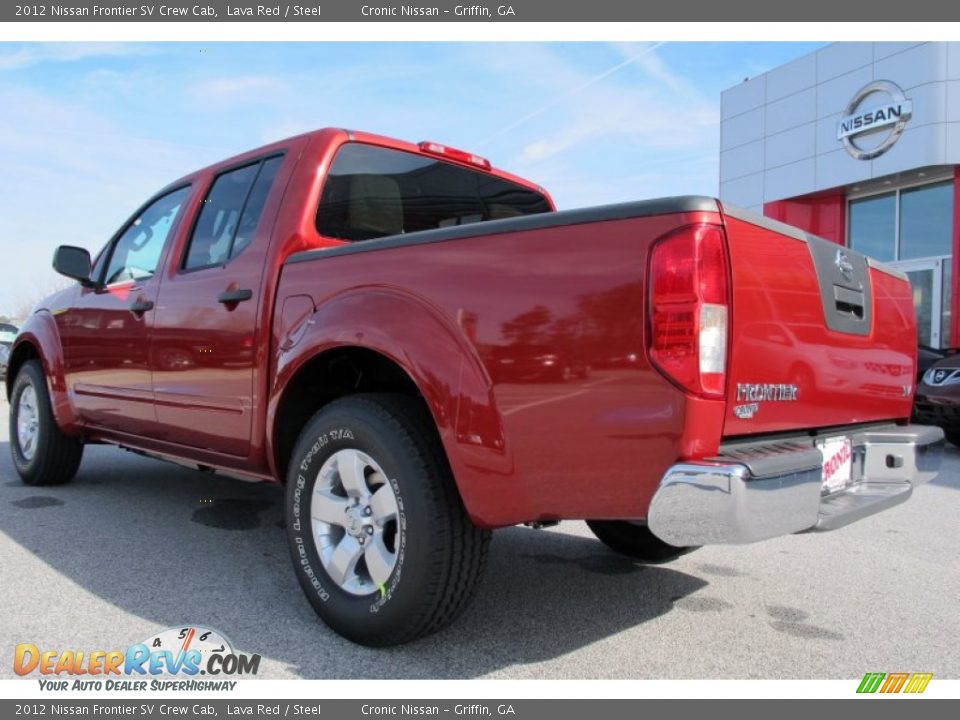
(436, 355)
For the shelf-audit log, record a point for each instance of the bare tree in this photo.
(27, 304)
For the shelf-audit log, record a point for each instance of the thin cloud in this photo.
(595, 131)
(37, 53)
(242, 87)
(653, 66)
(659, 111)
(571, 93)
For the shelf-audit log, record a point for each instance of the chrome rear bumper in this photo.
(762, 491)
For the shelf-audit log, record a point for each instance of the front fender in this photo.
(39, 337)
(435, 353)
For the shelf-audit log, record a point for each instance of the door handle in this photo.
(141, 306)
(234, 296)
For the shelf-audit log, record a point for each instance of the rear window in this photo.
(372, 192)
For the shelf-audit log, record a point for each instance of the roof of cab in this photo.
(340, 135)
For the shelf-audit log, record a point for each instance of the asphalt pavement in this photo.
(134, 546)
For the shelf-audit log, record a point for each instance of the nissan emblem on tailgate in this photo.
(844, 265)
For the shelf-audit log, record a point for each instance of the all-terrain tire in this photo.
(439, 554)
(45, 456)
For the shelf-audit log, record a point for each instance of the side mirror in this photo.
(74, 262)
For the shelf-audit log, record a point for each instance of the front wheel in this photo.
(635, 541)
(381, 543)
(41, 453)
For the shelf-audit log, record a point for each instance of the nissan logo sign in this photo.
(887, 111)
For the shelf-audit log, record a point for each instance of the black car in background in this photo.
(926, 357)
(937, 400)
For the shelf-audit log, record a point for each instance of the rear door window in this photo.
(230, 214)
(372, 192)
(250, 216)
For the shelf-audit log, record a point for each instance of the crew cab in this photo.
(422, 349)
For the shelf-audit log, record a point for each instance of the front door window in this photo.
(136, 253)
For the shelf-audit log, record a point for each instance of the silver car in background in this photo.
(8, 333)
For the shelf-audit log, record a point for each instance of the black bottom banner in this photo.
(519, 709)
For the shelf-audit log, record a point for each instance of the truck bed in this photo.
(546, 318)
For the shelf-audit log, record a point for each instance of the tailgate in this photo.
(820, 335)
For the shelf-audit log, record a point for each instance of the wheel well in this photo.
(25, 351)
(331, 375)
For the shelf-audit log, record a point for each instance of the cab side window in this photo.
(136, 253)
(230, 214)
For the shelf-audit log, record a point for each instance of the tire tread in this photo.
(459, 571)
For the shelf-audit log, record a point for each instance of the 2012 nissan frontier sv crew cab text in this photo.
(422, 350)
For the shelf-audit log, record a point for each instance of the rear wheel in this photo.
(635, 541)
(381, 543)
(41, 453)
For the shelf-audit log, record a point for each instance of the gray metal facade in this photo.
(778, 132)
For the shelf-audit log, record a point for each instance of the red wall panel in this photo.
(823, 214)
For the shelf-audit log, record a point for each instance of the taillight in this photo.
(689, 316)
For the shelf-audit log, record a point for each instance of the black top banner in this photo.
(499, 11)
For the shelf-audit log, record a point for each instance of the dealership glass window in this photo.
(914, 222)
(873, 226)
(924, 284)
(926, 220)
(912, 228)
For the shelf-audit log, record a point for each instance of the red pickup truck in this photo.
(422, 350)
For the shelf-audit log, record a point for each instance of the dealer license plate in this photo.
(837, 463)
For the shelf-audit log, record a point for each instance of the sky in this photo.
(88, 131)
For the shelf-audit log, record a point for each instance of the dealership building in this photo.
(859, 143)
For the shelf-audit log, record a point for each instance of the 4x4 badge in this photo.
(746, 412)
